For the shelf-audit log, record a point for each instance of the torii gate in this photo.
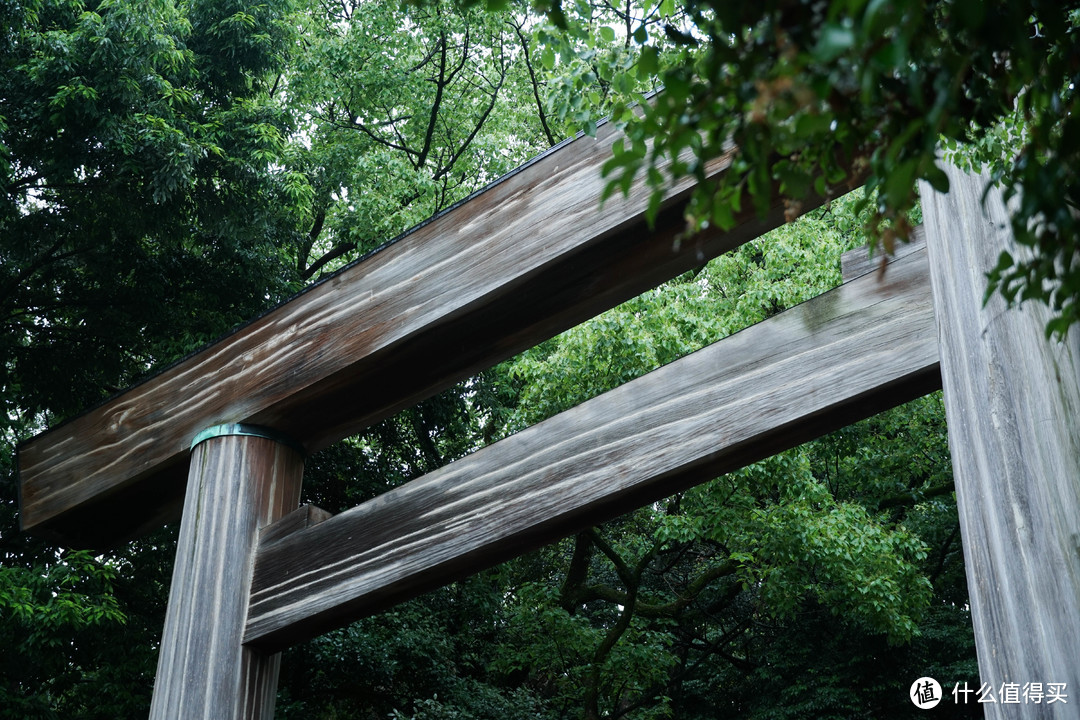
(530, 256)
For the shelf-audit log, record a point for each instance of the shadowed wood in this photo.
(845, 355)
(527, 258)
(1012, 401)
(859, 261)
(302, 518)
(237, 485)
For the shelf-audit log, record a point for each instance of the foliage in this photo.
(138, 211)
(141, 215)
(41, 609)
(424, 659)
(167, 176)
(850, 535)
(757, 280)
(815, 96)
(79, 631)
(397, 126)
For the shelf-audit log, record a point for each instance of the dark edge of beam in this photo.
(339, 541)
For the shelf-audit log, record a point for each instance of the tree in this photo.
(404, 112)
(167, 176)
(139, 214)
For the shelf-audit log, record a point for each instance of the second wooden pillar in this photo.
(1012, 401)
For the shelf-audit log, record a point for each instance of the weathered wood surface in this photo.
(237, 485)
(1012, 401)
(527, 258)
(302, 518)
(845, 355)
(859, 261)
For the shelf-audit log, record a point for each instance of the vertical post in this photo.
(241, 478)
(1012, 401)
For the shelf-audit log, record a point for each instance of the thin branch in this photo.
(621, 568)
(440, 87)
(913, 498)
(944, 554)
(476, 129)
(356, 125)
(535, 85)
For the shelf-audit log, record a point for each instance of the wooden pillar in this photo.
(1012, 400)
(241, 479)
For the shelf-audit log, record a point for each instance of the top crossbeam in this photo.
(528, 257)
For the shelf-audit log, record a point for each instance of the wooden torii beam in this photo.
(512, 266)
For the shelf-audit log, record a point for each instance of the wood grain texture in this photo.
(859, 261)
(1012, 401)
(530, 256)
(845, 355)
(237, 485)
(302, 518)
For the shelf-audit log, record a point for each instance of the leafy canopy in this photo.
(820, 95)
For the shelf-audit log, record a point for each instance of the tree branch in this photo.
(944, 554)
(336, 252)
(913, 498)
(440, 88)
(573, 587)
(535, 85)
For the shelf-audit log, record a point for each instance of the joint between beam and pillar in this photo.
(248, 430)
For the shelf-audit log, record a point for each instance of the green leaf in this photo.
(794, 181)
(899, 183)
(547, 57)
(648, 62)
(821, 187)
(834, 41)
(655, 198)
(936, 177)
(809, 124)
(722, 215)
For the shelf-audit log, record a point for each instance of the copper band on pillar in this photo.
(250, 431)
